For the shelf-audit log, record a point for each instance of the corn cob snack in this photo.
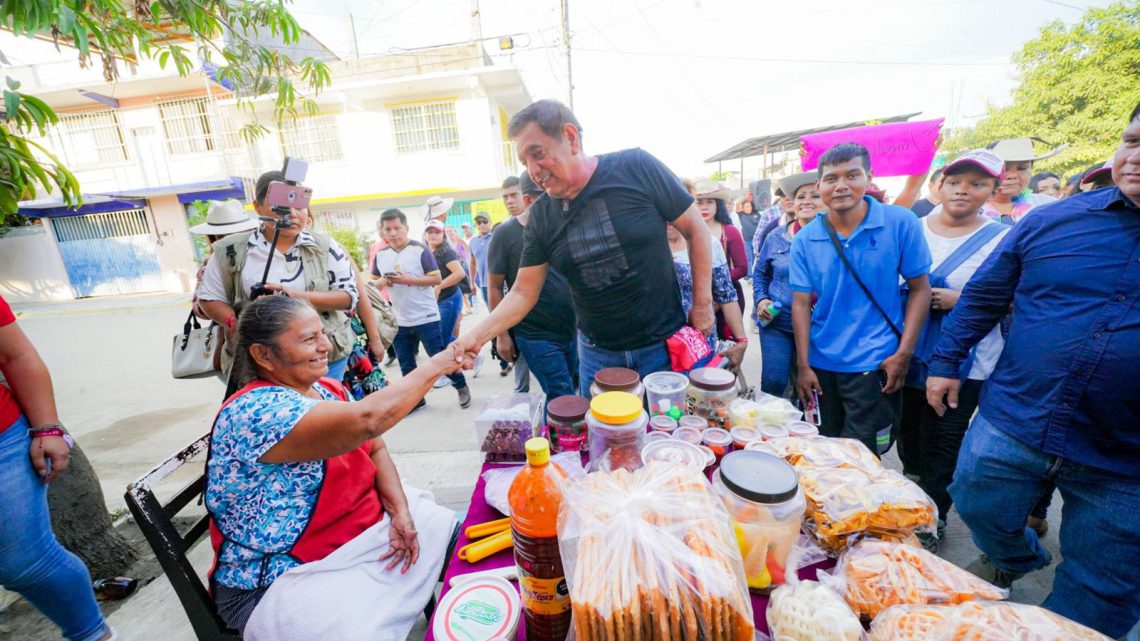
(650, 556)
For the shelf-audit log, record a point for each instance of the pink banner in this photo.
(897, 149)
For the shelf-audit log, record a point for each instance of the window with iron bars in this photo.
(89, 139)
(193, 126)
(311, 138)
(336, 219)
(428, 126)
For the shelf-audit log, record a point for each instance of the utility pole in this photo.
(352, 33)
(476, 26)
(566, 43)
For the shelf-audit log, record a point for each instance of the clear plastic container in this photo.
(710, 393)
(769, 431)
(616, 425)
(688, 434)
(657, 436)
(617, 379)
(566, 420)
(504, 424)
(742, 436)
(674, 451)
(710, 458)
(695, 422)
(717, 440)
(802, 428)
(764, 501)
(762, 446)
(665, 392)
(662, 423)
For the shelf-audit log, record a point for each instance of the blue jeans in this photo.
(591, 358)
(449, 310)
(32, 562)
(998, 480)
(553, 363)
(407, 344)
(336, 369)
(777, 354)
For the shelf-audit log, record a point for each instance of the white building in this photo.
(391, 131)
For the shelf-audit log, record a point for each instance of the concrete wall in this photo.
(175, 249)
(30, 267)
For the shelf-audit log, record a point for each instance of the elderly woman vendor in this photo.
(313, 534)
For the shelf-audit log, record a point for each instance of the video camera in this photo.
(283, 197)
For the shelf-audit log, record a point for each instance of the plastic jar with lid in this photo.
(742, 436)
(711, 390)
(616, 426)
(675, 452)
(695, 422)
(662, 423)
(762, 446)
(802, 428)
(688, 434)
(763, 498)
(665, 392)
(769, 431)
(566, 417)
(717, 440)
(617, 379)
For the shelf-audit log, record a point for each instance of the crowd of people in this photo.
(987, 328)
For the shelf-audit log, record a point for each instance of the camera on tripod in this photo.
(283, 197)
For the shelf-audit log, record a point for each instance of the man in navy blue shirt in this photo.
(1063, 403)
(854, 348)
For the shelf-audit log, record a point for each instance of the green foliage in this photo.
(173, 32)
(1078, 84)
(355, 242)
(719, 176)
(196, 215)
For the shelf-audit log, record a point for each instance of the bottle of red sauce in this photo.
(535, 497)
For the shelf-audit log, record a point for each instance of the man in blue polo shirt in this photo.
(853, 350)
(1063, 403)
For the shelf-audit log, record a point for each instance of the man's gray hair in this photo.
(549, 115)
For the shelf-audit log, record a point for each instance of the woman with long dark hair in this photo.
(712, 203)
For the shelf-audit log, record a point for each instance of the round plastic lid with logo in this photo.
(478, 610)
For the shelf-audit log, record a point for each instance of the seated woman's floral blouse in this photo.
(261, 508)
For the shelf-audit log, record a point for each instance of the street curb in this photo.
(60, 313)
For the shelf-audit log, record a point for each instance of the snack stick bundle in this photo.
(843, 503)
(977, 621)
(808, 611)
(650, 556)
(880, 574)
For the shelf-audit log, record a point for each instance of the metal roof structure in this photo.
(791, 139)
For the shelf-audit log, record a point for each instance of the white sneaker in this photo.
(478, 364)
(442, 382)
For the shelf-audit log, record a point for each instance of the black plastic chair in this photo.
(156, 521)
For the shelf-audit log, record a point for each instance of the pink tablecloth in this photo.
(480, 512)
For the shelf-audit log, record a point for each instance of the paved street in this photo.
(110, 363)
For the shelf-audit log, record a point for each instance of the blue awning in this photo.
(221, 189)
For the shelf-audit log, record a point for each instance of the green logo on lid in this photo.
(480, 612)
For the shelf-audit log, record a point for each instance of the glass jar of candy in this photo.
(710, 392)
(616, 431)
(566, 418)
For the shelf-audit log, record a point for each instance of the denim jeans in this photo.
(998, 480)
(407, 344)
(32, 562)
(449, 310)
(592, 358)
(777, 354)
(553, 363)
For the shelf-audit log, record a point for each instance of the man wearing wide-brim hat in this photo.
(1013, 198)
(224, 217)
(436, 208)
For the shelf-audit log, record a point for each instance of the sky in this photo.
(686, 79)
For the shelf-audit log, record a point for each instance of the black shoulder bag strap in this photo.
(843, 257)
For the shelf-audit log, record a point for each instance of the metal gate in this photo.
(107, 254)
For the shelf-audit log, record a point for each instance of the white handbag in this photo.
(193, 351)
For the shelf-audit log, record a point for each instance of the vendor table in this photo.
(481, 512)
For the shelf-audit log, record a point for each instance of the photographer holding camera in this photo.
(301, 264)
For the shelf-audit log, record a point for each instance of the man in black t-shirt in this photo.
(545, 336)
(601, 225)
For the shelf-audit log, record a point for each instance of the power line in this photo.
(906, 63)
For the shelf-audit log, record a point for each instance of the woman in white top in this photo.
(960, 237)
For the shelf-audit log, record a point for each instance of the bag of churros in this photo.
(649, 555)
(977, 621)
(879, 574)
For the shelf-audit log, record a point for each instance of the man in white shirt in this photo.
(409, 271)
